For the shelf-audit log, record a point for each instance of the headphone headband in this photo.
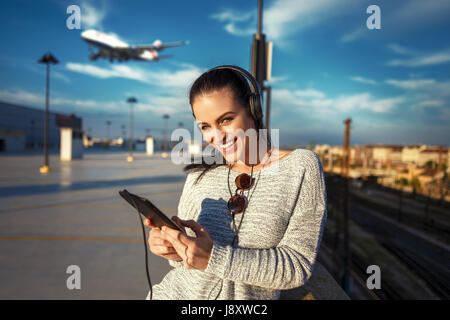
(255, 101)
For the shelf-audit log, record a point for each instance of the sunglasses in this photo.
(239, 202)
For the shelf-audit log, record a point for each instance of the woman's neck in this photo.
(247, 166)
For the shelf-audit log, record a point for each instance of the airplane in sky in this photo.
(110, 47)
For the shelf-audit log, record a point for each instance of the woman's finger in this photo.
(178, 223)
(172, 256)
(178, 239)
(160, 242)
(197, 228)
(163, 250)
(147, 222)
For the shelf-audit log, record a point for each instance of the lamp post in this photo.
(165, 144)
(261, 61)
(47, 59)
(108, 142)
(131, 101)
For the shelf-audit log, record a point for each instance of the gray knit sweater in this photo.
(279, 236)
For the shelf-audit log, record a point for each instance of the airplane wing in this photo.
(158, 46)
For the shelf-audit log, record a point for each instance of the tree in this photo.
(415, 183)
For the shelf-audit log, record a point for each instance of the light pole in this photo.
(124, 133)
(47, 59)
(261, 61)
(108, 124)
(131, 101)
(165, 145)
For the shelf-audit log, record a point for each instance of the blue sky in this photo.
(327, 65)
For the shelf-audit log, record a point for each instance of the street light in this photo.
(108, 124)
(47, 59)
(131, 100)
(166, 118)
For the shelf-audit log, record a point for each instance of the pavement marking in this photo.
(81, 206)
(64, 238)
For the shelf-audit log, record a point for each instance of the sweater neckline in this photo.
(282, 160)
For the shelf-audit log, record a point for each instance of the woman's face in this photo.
(222, 119)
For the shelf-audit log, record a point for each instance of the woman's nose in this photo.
(217, 136)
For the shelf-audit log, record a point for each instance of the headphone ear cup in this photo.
(256, 106)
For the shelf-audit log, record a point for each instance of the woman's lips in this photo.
(228, 147)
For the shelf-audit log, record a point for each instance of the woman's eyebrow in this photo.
(218, 119)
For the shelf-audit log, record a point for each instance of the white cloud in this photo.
(353, 35)
(237, 23)
(401, 50)
(411, 84)
(276, 80)
(363, 80)
(92, 17)
(164, 104)
(365, 101)
(420, 61)
(22, 96)
(171, 104)
(163, 78)
(170, 97)
(426, 93)
(282, 18)
(61, 76)
(312, 100)
(430, 103)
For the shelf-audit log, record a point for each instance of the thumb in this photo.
(197, 228)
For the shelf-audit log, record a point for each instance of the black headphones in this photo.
(255, 100)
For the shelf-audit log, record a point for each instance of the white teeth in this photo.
(224, 146)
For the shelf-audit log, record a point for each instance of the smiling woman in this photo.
(259, 242)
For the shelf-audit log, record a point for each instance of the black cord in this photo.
(236, 232)
(146, 254)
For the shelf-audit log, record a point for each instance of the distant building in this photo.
(22, 128)
(410, 154)
(386, 154)
(371, 155)
(434, 154)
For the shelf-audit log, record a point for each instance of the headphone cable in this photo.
(146, 254)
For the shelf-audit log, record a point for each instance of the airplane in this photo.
(110, 47)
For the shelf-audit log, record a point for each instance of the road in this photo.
(74, 216)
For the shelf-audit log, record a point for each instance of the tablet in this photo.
(149, 210)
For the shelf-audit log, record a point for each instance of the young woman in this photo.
(253, 227)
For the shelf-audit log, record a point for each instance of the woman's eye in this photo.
(227, 119)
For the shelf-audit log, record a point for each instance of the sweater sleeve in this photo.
(290, 263)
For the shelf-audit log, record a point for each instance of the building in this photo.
(410, 154)
(22, 128)
(386, 154)
(432, 154)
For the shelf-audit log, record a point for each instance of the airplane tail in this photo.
(157, 43)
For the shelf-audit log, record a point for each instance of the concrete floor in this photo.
(74, 216)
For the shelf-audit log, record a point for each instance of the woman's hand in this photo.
(195, 252)
(158, 245)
